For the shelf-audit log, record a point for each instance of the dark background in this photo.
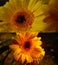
(50, 44)
(2, 2)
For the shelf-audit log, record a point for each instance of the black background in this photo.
(2, 2)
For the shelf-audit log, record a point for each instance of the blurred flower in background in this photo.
(22, 15)
(27, 48)
(52, 16)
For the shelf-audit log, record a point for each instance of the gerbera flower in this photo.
(27, 48)
(52, 16)
(23, 15)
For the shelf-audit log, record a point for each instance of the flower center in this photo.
(21, 19)
(27, 45)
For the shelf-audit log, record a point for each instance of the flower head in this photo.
(27, 48)
(23, 15)
(52, 16)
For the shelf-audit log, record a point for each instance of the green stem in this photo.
(4, 48)
(4, 41)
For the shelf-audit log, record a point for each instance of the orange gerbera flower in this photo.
(27, 48)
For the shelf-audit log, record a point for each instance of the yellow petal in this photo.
(14, 47)
(13, 2)
(40, 11)
(17, 51)
(31, 4)
(18, 4)
(37, 38)
(4, 27)
(17, 54)
(37, 41)
(9, 8)
(38, 24)
(38, 53)
(25, 3)
(3, 15)
(29, 58)
(36, 6)
(30, 35)
(17, 57)
(23, 58)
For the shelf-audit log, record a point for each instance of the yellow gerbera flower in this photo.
(27, 48)
(22, 15)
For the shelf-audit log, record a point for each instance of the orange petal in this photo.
(17, 54)
(23, 58)
(14, 47)
(29, 58)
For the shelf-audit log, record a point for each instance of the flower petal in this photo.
(20, 37)
(40, 11)
(3, 15)
(25, 3)
(18, 3)
(37, 41)
(23, 58)
(30, 35)
(38, 53)
(13, 3)
(17, 54)
(4, 27)
(29, 58)
(36, 6)
(17, 57)
(31, 4)
(14, 47)
(38, 24)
